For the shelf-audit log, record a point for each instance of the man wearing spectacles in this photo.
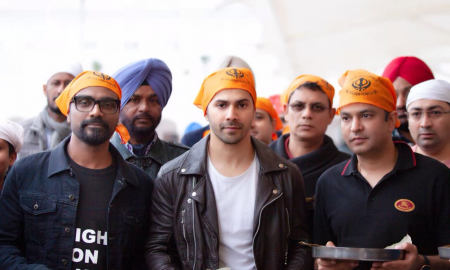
(308, 106)
(80, 205)
(429, 119)
(146, 86)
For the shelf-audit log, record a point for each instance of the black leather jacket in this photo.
(184, 226)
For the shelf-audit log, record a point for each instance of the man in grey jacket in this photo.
(50, 127)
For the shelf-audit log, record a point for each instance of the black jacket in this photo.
(38, 210)
(312, 166)
(160, 154)
(184, 230)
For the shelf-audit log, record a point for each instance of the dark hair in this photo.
(11, 149)
(311, 86)
(144, 83)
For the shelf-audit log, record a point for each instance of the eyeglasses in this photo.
(316, 108)
(417, 115)
(86, 104)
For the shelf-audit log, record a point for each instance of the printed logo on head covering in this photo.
(404, 205)
(327, 85)
(101, 75)
(361, 84)
(235, 73)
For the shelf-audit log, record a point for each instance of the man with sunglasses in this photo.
(308, 106)
(80, 205)
(429, 119)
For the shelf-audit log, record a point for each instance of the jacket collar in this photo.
(157, 152)
(59, 162)
(195, 162)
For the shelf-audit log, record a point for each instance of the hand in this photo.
(325, 264)
(412, 261)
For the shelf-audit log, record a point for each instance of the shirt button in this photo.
(194, 194)
(189, 200)
(275, 191)
(372, 199)
(71, 197)
(67, 230)
(64, 261)
(36, 206)
(281, 165)
(183, 170)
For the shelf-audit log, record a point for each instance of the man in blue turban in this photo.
(146, 89)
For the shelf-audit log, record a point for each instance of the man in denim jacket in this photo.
(80, 205)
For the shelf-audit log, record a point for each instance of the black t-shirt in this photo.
(96, 187)
(413, 199)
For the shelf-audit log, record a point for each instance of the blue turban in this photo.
(154, 71)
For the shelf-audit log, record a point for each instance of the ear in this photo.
(274, 125)
(286, 112)
(12, 158)
(44, 89)
(393, 116)
(332, 114)
(206, 116)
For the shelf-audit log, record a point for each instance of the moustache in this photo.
(143, 116)
(95, 121)
(231, 124)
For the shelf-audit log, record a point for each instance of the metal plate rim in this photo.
(358, 254)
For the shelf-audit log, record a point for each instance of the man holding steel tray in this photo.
(385, 191)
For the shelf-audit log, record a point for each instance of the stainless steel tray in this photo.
(358, 254)
(444, 252)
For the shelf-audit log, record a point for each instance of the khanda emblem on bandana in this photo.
(361, 84)
(101, 75)
(235, 73)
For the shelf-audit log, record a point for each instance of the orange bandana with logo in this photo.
(327, 88)
(89, 79)
(265, 104)
(223, 79)
(361, 86)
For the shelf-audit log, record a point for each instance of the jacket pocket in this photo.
(39, 212)
(135, 219)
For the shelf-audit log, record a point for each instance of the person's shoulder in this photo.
(141, 175)
(430, 165)
(27, 122)
(174, 164)
(334, 172)
(35, 160)
(176, 146)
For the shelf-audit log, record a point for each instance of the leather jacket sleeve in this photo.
(299, 256)
(12, 228)
(160, 247)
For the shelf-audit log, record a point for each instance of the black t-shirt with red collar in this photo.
(414, 199)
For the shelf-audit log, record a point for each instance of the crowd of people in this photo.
(89, 184)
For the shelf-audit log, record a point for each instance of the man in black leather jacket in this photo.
(206, 212)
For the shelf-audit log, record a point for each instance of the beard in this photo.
(141, 131)
(97, 136)
(52, 106)
(228, 138)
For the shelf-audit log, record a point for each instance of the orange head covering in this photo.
(327, 88)
(265, 104)
(361, 86)
(226, 78)
(88, 79)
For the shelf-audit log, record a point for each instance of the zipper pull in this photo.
(182, 216)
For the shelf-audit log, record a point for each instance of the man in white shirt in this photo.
(230, 202)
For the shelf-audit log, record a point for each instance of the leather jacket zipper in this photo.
(259, 225)
(193, 225)
(287, 238)
(184, 234)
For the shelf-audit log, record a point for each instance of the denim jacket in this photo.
(38, 212)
